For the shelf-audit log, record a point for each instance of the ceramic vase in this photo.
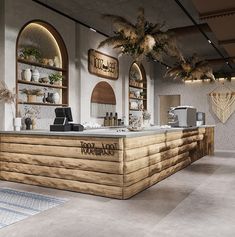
(35, 75)
(27, 74)
(56, 61)
(56, 98)
(17, 124)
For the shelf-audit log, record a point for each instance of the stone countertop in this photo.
(105, 132)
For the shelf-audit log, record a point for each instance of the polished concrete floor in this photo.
(197, 201)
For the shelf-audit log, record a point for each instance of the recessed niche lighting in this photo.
(209, 41)
(92, 29)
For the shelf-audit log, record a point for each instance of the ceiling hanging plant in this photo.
(191, 69)
(143, 39)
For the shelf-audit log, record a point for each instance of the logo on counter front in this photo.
(104, 150)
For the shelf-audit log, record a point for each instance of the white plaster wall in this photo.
(18, 13)
(2, 54)
(87, 39)
(78, 40)
(196, 94)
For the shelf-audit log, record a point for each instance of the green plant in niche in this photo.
(55, 78)
(30, 53)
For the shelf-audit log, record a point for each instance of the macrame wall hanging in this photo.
(223, 102)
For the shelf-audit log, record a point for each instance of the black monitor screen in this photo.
(64, 112)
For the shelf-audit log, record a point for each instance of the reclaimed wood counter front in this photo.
(113, 166)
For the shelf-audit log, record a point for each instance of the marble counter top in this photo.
(105, 132)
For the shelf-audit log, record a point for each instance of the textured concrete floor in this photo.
(197, 201)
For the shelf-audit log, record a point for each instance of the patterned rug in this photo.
(17, 205)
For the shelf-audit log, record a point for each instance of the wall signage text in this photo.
(103, 65)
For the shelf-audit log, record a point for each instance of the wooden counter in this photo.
(116, 167)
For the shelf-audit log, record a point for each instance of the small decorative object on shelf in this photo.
(35, 75)
(56, 61)
(31, 54)
(31, 116)
(51, 62)
(31, 94)
(135, 123)
(146, 118)
(56, 98)
(26, 74)
(55, 78)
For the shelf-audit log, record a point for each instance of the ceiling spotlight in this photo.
(227, 62)
(167, 67)
(92, 29)
(209, 41)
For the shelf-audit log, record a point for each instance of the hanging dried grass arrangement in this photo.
(191, 69)
(140, 40)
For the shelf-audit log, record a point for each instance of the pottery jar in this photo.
(27, 74)
(56, 98)
(35, 75)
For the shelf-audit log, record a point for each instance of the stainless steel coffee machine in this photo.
(183, 116)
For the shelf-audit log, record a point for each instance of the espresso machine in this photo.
(182, 116)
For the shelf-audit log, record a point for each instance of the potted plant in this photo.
(31, 94)
(7, 96)
(55, 78)
(31, 54)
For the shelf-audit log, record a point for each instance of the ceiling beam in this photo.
(219, 13)
(225, 42)
(220, 60)
(190, 29)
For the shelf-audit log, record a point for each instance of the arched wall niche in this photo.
(103, 100)
(53, 59)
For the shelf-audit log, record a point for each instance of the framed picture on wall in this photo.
(103, 65)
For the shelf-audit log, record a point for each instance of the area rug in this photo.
(17, 205)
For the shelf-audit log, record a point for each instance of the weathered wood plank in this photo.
(169, 171)
(134, 142)
(61, 162)
(62, 173)
(70, 141)
(156, 168)
(159, 157)
(136, 176)
(90, 188)
(60, 151)
(134, 165)
(135, 188)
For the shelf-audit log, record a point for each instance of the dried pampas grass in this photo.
(191, 69)
(140, 40)
(6, 96)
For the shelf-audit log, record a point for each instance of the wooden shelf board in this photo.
(138, 87)
(40, 65)
(42, 104)
(136, 110)
(134, 98)
(41, 84)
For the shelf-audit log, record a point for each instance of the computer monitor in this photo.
(64, 112)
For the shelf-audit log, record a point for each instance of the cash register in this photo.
(63, 121)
